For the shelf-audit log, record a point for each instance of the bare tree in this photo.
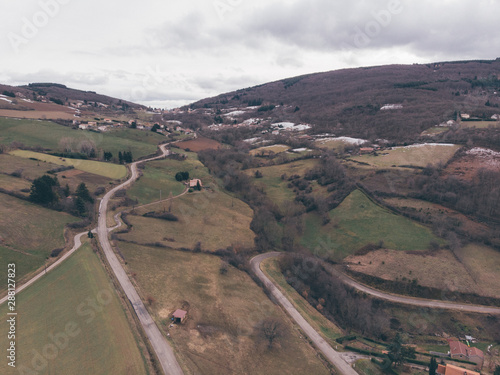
(271, 329)
(88, 147)
(66, 144)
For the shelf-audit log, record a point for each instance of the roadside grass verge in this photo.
(223, 310)
(357, 222)
(77, 300)
(321, 324)
(110, 170)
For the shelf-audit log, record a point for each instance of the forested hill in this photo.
(350, 101)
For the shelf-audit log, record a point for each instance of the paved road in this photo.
(436, 304)
(333, 356)
(409, 300)
(78, 243)
(160, 345)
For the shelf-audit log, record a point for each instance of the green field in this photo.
(266, 150)
(356, 222)
(435, 130)
(47, 135)
(14, 184)
(366, 367)
(480, 124)
(213, 218)
(160, 175)
(29, 233)
(31, 169)
(110, 170)
(275, 187)
(71, 322)
(418, 156)
(218, 336)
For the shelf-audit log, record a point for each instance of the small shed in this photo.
(366, 150)
(194, 183)
(179, 316)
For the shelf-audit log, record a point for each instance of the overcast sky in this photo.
(168, 53)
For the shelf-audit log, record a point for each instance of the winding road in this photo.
(78, 243)
(160, 345)
(414, 301)
(333, 356)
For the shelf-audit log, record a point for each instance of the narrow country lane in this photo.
(160, 345)
(333, 356)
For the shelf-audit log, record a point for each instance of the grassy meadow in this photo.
(45, 134)
(275, 187)
(472, 269)
(417, 156)
(28, 233)
(356, 222)
(213, 218)
(223, 309)
(480, 124)
(266, 150)
(109, 170)
(31, 169)
(160, 175)
(76, 307)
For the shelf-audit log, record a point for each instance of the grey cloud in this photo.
(322, 25)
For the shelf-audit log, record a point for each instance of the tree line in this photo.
(47, 191)
(333, 298)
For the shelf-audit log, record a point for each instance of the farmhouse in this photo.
(194, 183)
(454, 370)
(461, 351)
(366, 150)
(179, 316)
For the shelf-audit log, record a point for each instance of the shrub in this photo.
(182, 176)
(55, 253)
(162, 215)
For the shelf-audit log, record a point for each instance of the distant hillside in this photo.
(350, 101)
(60, 93)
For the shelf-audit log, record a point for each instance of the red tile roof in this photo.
(455, 370)
(459, 348)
